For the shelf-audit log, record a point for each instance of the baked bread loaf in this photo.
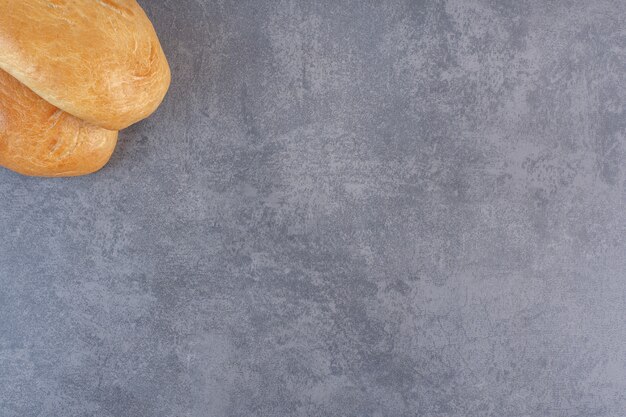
(72, 73)
(39, 139)
(99, 60)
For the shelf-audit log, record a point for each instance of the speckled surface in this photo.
(343, 208)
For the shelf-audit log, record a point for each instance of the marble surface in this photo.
(343, 208)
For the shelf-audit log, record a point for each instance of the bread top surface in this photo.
(99, 60)
(39, 139)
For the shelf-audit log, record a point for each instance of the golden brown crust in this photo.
(99, 60)
(38, 139)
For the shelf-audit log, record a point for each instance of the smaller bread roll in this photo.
(38, 139)
(99, 60)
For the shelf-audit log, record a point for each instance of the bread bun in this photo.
(39, 139)
(99, 60)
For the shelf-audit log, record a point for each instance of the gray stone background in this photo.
(343, 208)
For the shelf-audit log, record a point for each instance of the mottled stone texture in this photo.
(343, 208)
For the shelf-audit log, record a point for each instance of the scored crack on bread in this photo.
(38, 139)
(99, 60)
